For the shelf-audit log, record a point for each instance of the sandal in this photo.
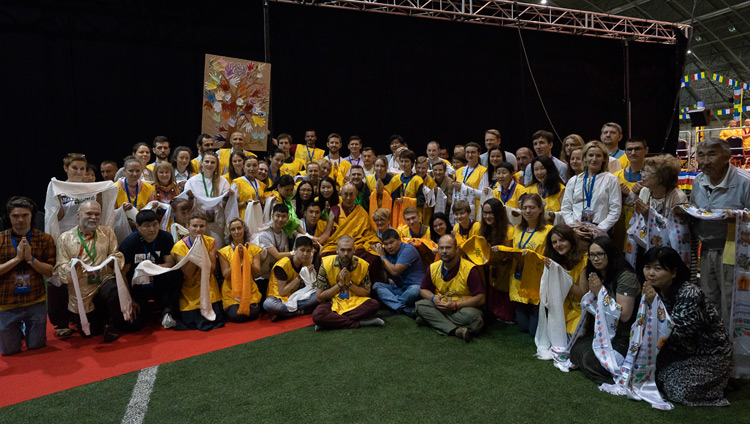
(63, 333)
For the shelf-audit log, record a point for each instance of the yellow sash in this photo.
(397, 213)
(242, 279)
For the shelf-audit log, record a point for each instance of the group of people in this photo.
(448, 241)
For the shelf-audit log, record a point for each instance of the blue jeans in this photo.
(527, 317)
(275, 306)
(34, 317)
(397, 298)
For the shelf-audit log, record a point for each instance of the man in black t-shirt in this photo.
(155, 245)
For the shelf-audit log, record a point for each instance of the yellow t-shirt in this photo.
(411, 187)
(139, 199)
(553, 202)
(532, 240)
(190, 294)
(227, 300)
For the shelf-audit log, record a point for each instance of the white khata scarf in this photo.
(637, 378)
(198, 254)
(606, 312)
(551, 331)
(108, 189)
(304, 293)
(126, 304)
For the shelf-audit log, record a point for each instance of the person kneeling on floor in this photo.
(150, 243)
(286, 281)
(452, 294)
(343, 290)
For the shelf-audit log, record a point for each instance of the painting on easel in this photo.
(236, 97)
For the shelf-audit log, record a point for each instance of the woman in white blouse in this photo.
(592, 202)
(208, 183)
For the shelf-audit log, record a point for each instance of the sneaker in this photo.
(318, 328)
(63, 333)
(273, 317)
(168, 322)
(110, 334)
(372, 322)
(463, 333)
(421, 322)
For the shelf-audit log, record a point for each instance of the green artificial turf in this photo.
(400, 373)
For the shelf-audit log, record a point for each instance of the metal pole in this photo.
(627, 87)
(267, 59)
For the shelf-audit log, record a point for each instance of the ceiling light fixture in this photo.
(732, 29)
(689, 52)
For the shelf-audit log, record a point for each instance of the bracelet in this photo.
(31, 261)
(433, 298)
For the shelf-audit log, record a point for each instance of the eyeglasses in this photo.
(597, 256)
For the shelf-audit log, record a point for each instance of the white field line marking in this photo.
(138, 405)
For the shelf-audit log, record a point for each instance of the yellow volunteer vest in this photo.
(341, 306)
(227, 299)
(144, 192)
(536, 243)
(273, 284)
(552, 203)
(292, 168)
(190, 294)
(621, 226)
(512, 202)
(246, 192)
(572, 308)
(307, 155)
(456, 288)
(475, 230)
(392, 185)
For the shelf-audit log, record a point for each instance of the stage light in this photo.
(689, 52)
(544, 2)
(732, 29)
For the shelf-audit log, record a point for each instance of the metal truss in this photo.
(513, 14)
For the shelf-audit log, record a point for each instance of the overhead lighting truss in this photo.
(513, 14)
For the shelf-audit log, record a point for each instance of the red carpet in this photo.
(62, 365)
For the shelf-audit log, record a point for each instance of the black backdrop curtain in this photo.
(97, 77)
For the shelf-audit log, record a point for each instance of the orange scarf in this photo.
(397, 213)
(242, 279)
(385, 202)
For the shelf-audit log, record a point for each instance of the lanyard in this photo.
(338, 161)
(541, 190)
(444, 272)
(359, 161)
(505, 196)
(254, 185)
(127, 192)
(630, 175)
(588, 193)
(466, 177)
(407, 181)
(91, 253)
(205, 187)
(15, 245)
(527, 240)
(310, 155)
(411, 233)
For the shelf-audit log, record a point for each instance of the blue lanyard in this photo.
(13, 240)
(508, 193)
(467, 176)
(541, 191)
(188, 242)
(527, 240)
(254, 185)
(127, 192)
(359, 161)
(588, 193)
(630, 175)
(310, 156)
(444, 272)
(408, 180)
(338, 161)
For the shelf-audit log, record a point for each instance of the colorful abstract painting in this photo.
(236, 97)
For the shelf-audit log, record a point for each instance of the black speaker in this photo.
(700, 117)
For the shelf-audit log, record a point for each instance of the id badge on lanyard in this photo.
(22, 283)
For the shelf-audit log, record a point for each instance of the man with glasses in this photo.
(630, 186)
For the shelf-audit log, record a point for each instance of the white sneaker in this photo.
(372, 322)
(168, 322)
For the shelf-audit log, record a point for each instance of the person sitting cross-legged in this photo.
(343, 290)
(286, 280)
(452, 294)
(404, 267)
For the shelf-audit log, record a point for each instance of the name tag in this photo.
(22, 283)
(587, 216)
(93, 277)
